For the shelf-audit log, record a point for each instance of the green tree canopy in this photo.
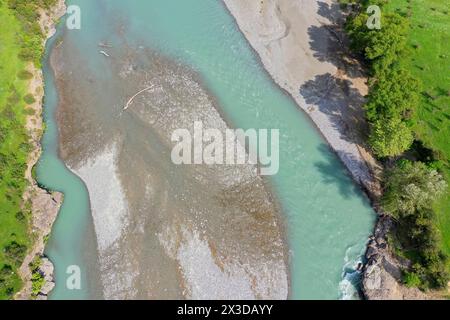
(390, 137)
(394, 94)
(410, 187)
(384, 44)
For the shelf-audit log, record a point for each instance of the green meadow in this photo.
(21, 44)
(429, 60)
(14, 148)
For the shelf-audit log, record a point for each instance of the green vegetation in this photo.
(15, 252)
(37, 279)
(429, 42)
(408, 109)
(390, 137)
(411, 188)
(27, 12)
(24, 75)
(29, 99)
(381, 47)
(20, 44)
(13, 154)
(393, 95)
(411, 280)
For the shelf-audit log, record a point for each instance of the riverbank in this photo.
(44, 204)
(303, 48)
(402, 251)
(382, 273)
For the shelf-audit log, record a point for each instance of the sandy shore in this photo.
(44, 204)
(302, 47)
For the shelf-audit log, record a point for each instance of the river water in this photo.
(327, 219)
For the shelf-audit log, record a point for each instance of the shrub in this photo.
(35, 264)
(382, 45)
(411, 186)
(37, 282)
(25, 75)
(389, 138)
(29, 111)
(37, 278)
(411, 190)
(393, 94)
(29, 99)
(13, 98)
(6, 271)
(15, 252)
(411, 280)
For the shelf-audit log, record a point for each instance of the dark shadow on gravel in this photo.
(339, 101)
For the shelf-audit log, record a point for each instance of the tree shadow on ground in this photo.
(330, 43)
(341, 102)
(332, 12)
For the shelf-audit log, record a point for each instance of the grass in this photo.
(14, 149)
(429, 61)
(21, 44)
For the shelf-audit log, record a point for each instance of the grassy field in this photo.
(14, 235)
(429, 61)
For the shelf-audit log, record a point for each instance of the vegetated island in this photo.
(357, 86)
(27, 211)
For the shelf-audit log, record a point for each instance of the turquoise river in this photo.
(328, 218)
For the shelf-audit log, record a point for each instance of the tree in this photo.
(394, 93)
(29, 99)
(411, 280)
(422, 228)
(410, 187)
(390, 137)
(15, 252)
(384, 44)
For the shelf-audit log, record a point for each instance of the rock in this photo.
(378, 284)
(41, 297)
(47, 288)
(371, 251)
(382, 273)
(47, 269)
(372, 279)
(380, 241)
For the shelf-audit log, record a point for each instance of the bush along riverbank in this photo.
(27, 212)
(406, 256)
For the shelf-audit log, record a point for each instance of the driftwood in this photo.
(104, 53)
(104, 45)
(135, 95)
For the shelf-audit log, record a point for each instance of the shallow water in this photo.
(327, 217)
(74, 223)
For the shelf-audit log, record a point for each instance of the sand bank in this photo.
(301, 45)
(164, 231)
